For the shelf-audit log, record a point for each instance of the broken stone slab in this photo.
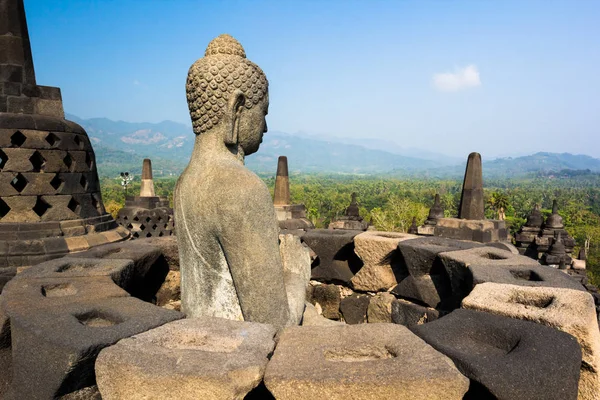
(312, 317)
(409, 314)
(336, 260)
(328, 298)
(368, 361)
(210, 358)
(354, 308)
(456, 264)
(421, 255)
(524, 275)
(120, 271)
(430, 290)
(28, 294)
(380, 308)
(54, 349)
(378, 251)
(507, 359)
(150, 266)
(296, 267)
(571, 311)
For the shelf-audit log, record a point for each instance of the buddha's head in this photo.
(228, 94)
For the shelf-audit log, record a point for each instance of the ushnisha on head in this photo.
(227, 91)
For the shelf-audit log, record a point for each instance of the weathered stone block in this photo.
(408, 313)
(121, 271)
(380, 308)
(524, 275)
(369, 361)
(420, 255)
(507, 359)
(312, 317)
(149, 265)
(456, 264)
(328, 297)
(426, 289)
(54, 350)
(571, 311)
(354, 308)
(378, 251)
(337, 261)
(211, 358)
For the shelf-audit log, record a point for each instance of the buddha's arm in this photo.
(249, 239)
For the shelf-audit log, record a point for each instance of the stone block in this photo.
(54, 350)
(150, 267)
(354, 308)
(328, 298)
(456, 264)
(427, 290)
(52, 108)
(6, 274)
(296, 274)
(312, 317)
(408, 313)
(121, 271)
(20, 105)
(378, 251)
(507, 359)
(420, 255)
(336, 260)
(369, 361)
(380, 308)
(201, 358)
(524, 275)
(571, 311)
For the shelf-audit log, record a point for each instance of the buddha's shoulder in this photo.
(236, 178)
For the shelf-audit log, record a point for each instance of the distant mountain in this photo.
(122, 145)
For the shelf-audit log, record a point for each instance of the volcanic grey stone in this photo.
(420, 255)
(456, 264)
(201, 358)
(336, 260)
(354, 308)
(150, 266)
(380, 308)
(369, 361)
(524, 275)
(511, 359)
(121, 271)
(54, 350)
(408, 313)
(426, 289)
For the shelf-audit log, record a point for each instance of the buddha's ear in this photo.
(235, 106)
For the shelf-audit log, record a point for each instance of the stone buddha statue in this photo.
(227, 229)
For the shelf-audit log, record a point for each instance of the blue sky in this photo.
(498, 77)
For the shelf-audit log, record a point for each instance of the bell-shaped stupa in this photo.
(50, 201)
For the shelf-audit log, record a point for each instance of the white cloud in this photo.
(461, 78)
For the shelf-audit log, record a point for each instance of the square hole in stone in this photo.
(78, 141)
(360, 354)
(98, 319)
(74, 206)
(69, 162)
(56, 182)
(147, 219)
(88, 161)
(538, 301)
(41, 206)
(19, 182)
(526, 275)
(17, 139)
(52, 139)
(59, 290)
(4, 208)
(3, 159)
(83, 182)
(492, 256)
(37, 161)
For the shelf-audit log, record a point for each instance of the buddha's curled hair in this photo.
(213, 78)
